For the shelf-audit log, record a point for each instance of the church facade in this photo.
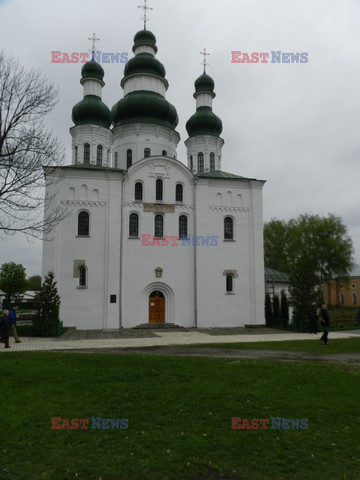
(148, 239)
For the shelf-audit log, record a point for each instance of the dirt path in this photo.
(284, 355)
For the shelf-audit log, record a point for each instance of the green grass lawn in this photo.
(348, 345)
(179, 411)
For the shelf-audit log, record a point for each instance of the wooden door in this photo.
(156, 308)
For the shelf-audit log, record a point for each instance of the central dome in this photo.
(144, 107)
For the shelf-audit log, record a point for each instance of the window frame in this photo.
(227, 236)
(129, 157)
(79, 234)
(179, 198)
(147, 152)
(181, 227)
(229, 284)
(131, 227)
(212, 162)
(158, 182)
(83, 272)
(136, 193)
(87, 152)
(200, 160)
(156, 218)
(99, 155)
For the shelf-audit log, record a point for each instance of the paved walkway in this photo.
(129, 338)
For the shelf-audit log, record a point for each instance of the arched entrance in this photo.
(156, 307)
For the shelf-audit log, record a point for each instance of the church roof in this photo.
(82, 166)
(225, 175)
(275, 276)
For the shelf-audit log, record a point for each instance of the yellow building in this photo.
(344, 294)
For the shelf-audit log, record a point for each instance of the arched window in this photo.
(87, 153)
(83, 224)
(82, 276)
(159, 190)
(138, 191)
(116, 160)
(159, 226)
(164, 153)
(179, 193)
(147, 152)
(183, 226)
(200, 162)
(341, 298)
(191, 163)
(353, 299)
(99, 155)
(134, 225)
(229, 284)
(128, 158)
(212, 162)
(228, 228)
(76, 154)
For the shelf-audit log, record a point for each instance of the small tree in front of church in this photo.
(276, 310)
(269, 316)
(284, 309)
(48, 304)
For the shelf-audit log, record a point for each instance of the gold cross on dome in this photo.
(93, 39)
(204, 62)
(145, 7)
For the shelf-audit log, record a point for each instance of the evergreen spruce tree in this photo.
(48, 303)
(276, 310)
(284, 309)
(269, 317)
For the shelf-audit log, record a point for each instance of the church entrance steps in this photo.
(158, 326)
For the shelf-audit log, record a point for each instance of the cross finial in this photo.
(93, 39)
(204, 62)
(145, 7)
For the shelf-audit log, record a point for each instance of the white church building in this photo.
(148, 238)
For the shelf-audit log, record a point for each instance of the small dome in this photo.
(144, 37)
(204, 122)
(144, 63)
(204, 84)
(92, 69)
(144, 107)
(91, 111)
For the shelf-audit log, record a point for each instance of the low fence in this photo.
(345, 318)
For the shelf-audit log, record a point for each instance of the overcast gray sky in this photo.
(294, 125)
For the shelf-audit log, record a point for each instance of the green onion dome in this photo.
(204, 84)
(92, 69)
(91, 111)
(204, 122)
(144, 63)
(144, 107)
(144, 37)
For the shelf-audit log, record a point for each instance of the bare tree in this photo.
(26, 148)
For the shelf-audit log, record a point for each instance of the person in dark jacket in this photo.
(4, 328)
(12, 323)
(325, 323)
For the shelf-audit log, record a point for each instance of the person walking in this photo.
(12, 323)
(4, 328)
(325, 323)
